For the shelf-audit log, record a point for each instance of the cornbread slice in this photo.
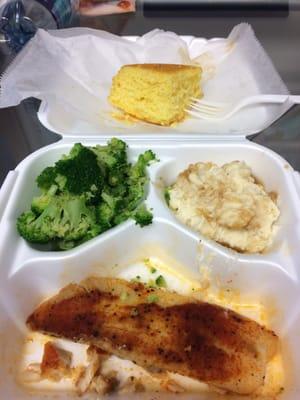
(157, 93)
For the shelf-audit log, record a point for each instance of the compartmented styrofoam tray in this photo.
(252, 119)
(28, 275)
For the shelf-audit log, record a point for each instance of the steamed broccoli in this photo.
(26, 225)
(126, 202)
(65, 217)
(81, 171)
(77, 173)
(39, 203)
(112, 160)
(47, 178)
(137, 178)
(113, 154)
(86, 192)
(108, 209)
(143, 216)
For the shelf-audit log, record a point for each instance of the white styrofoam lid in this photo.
(246, 122)
(233, 68)
(73, 70)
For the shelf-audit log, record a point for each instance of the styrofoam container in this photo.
(29, 275)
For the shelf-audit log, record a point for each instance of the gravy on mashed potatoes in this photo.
(225, 204)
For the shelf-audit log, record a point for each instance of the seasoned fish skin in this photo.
(160, 329)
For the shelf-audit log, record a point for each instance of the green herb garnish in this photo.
(137, 279)
(152, 298)
(151, 283)
(167, 195)
(160, 281)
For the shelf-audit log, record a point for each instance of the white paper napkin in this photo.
(71, 70)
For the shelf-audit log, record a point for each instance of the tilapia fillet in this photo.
(158, 329)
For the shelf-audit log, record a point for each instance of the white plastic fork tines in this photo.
(216, 110)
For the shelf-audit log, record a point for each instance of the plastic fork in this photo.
(217, 110)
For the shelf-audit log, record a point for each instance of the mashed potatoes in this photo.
(225, 204)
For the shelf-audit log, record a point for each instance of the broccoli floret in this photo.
(76, 173)
(65, 217)
(26, 228)
(139, 168)
(46, 178)
(111, 155)
(143, 216)
(120, 203)
(107, 210)
(138, 179)
(105, 216)
(112, 160)
(39, 203)
(81, 171)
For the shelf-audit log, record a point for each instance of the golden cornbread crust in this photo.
(156, 93)
(163, 67)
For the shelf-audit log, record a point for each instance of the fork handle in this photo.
(272, 98)
(294, 99)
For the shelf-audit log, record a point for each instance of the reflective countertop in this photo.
(279, 32)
